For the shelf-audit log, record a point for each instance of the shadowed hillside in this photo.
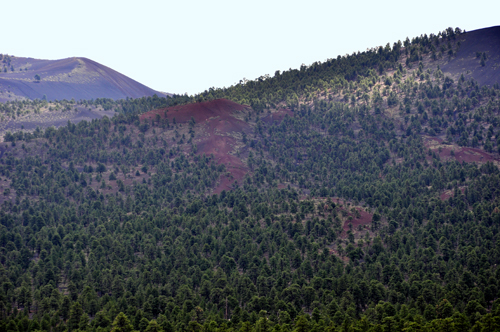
(478, 56)
(77, 78)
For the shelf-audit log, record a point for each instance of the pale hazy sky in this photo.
(189, 46)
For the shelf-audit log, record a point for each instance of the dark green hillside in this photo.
(366, 198)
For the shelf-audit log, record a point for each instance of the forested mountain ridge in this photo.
(368, 203)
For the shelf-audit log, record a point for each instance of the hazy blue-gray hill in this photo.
(78, 78)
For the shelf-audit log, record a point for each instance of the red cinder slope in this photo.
(199, 111)
(219, 131)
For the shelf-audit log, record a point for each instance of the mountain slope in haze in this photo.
(474, 46)
(78, 78)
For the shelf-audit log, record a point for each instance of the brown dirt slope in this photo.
(219, 132)
(460, 153)
(78, 78)
(485, 40)
(277, 116)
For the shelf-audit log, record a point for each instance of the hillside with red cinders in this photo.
(219, 131)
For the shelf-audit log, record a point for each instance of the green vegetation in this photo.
(114, 224)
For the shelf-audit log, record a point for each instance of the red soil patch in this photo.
(278, 116)
(449, 193)
(461, 154)
(445, 195)
(364, 218)
(474, 155)
(199, 111)
(220, 130)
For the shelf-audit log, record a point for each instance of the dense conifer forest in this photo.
(372, 203)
